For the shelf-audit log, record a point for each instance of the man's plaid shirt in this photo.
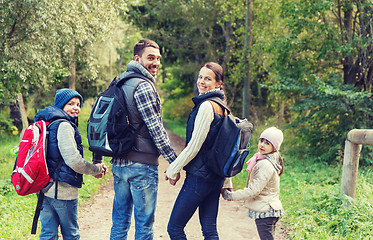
(149, 106)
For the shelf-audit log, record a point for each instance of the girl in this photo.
(263, 189)
(201, 187)
(65, 149)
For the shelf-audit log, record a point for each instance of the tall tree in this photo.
(247, 46)
(42, 40)
(324, 63)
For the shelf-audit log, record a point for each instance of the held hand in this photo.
(174, 181)
(222, 190)
(98, 175)
(166, 178)
(227, 195)
(104, 168)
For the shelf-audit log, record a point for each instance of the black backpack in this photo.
(109, 130)
(229, 150)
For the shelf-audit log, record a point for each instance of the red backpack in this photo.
(30, 173)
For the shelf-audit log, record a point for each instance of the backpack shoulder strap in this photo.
(219, 106)
(121, 81)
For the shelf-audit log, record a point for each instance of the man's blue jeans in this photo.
(136, 187)
(63, 213)
(196, 193)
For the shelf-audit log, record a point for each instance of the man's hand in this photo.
(104, 168)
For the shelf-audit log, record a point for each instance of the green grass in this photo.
(177, 126)
(16, 212)
(311, 196)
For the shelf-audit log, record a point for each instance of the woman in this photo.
(201, 187)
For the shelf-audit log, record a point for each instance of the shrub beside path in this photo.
(95, 216)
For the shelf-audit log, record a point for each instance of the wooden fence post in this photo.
(354, 141)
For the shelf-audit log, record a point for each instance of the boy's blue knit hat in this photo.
(64, 95)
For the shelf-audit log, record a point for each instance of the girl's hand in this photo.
(227, 194)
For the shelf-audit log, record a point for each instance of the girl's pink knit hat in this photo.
(274, 136)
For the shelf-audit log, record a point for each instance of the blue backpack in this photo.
(229, 150)
(109, 129)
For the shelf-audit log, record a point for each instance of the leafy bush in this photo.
(326, 112)
(176, 109)
(6, 125)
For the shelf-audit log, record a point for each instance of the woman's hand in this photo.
(173, 181)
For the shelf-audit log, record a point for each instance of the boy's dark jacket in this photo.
(66, 174)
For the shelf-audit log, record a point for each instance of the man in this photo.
(136, 175)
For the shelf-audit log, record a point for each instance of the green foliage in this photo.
(6, 125)
(178, 108)
(326, 111)
(319, 211)
(326, 101)
(176, 126)
(44, 43)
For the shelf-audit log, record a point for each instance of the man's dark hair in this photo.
(142, 44)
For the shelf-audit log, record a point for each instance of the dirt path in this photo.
(95, 217)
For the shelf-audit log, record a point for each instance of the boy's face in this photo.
(265, 147)
(72, 107)
(150, 59)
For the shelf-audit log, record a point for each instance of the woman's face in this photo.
(206, 80)
(72, 107)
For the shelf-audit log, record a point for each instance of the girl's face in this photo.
(72, 107)
(206, 80)
(265, 147)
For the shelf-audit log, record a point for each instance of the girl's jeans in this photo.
(62, 213)
(135, 186)
(196, 193)
(266, 227)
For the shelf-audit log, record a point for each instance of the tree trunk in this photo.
(247, 46)
(22, 110)
(120, 63)
(72, 68)
(227, 31)
(348, 63)
(281, 113)
(110, 63)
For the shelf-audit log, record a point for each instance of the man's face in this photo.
(150, 59)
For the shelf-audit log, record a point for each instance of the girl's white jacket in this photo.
(263, 189)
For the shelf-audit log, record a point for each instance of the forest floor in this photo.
(233, 223)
